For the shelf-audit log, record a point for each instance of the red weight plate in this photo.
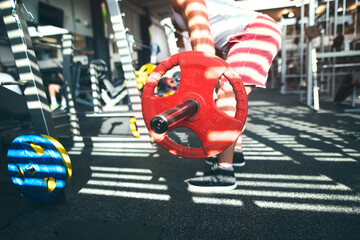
(199, 75)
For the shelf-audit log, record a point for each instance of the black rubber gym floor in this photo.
(301, 181)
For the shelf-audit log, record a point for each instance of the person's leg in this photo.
(53, 90)
(251, 54)
(227, 103)
(63, 99)
(221, 177)
(63, 102)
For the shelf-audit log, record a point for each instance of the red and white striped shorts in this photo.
(252, 51)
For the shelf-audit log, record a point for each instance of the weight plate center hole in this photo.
(185, 137)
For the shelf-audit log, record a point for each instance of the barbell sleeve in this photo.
(162, 122)
(13, 83)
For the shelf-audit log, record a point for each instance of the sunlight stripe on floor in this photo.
(354, 154)
(249, 141)
(306, 149)
(323, 154)
(115, 193)
(295, 195)
(283, 176)
(75, 152)
(217, 201)
(284, 141)
(254, 145)
(283, 137)
(332, 159)
(124, 150)
(123, 154)
(273, 153)
(252, 149)
(308, 207)
(128, 185)
(115, 169)
(121, 176)
(294, 145)
(350, 150)
(268, 158)
(332, 187)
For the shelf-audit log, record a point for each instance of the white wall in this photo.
(81, 9)
(158, 36)
(132, 22)
(71, 8)
(83, 12)
(6, 56)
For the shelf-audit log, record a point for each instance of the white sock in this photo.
(225, 165)
(53, 100)
(63, 101)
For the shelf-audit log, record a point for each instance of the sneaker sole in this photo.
(53, 109)
(239, 164)
(193, 188)
(209, 162)
(234, 164)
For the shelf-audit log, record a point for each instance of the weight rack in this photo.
(28, 68)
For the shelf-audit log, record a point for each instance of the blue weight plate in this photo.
(65, 156)
(36, 167)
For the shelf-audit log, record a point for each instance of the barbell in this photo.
(192, 106)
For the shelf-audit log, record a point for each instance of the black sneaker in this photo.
(218, 179)
(238, 160)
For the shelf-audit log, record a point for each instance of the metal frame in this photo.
(172, 44)
(119, 93)
(67, 51)
(28, 69)
(312, 89)
(284, 23)
(126, 60)
(170, 35)
(318, 80)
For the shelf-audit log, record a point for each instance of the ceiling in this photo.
(161, 8)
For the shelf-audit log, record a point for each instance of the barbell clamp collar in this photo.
(159, 124)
